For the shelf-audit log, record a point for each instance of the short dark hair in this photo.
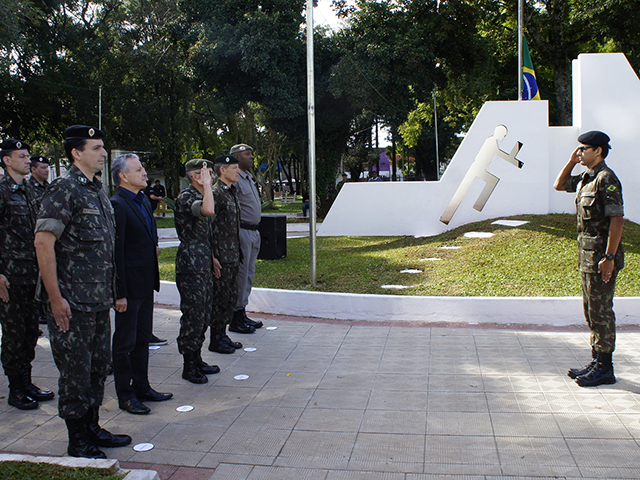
(71, 143)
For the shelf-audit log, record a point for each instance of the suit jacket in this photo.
(136, 259)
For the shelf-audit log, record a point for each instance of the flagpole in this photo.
(312, 143)
(520, 22)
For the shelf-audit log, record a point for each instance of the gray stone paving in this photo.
(341, 402)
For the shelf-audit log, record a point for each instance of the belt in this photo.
(249, 226)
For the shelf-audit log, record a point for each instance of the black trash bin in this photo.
(273, 237)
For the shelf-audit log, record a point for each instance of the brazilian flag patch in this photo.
(612, 188)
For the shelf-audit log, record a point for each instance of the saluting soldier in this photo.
(75, 238)
(600, 221)
(18, 276)
(226, 248)
(195, 267)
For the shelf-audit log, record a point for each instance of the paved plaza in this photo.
(327, 400)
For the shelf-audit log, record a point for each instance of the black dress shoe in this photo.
(231, 343)
(157, 342)
(241, 327)
(40, 395)
(152, 396)
(134, 406)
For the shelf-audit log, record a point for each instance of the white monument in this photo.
(479, 184)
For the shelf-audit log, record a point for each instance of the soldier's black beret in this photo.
(226, 160)
(197, 164)
(83, 131)
(595, 138)
(13, 144)
(39, 159)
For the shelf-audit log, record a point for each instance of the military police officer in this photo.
(75, 235)
(226, 248)
(18, 276)
(250, 215)
(195, 267)
(600, 222)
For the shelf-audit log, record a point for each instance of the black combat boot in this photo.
(238, 323)
(98, 435)
(225, 338)
(205, 367)
(600, 374)
(79, 443)
(576, 372)
(252, 323)
(190, 371)
(34, 392)
(218, 343)
(17, 396)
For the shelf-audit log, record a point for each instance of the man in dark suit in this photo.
(137, 277)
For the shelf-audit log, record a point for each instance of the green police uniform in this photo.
(599, 197)
(78, 212)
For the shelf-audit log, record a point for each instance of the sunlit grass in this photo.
(536, 259)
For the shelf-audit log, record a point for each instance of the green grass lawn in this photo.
(44, 471)
(536, 259)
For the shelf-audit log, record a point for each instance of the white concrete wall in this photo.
(606, 97)
(556, 311)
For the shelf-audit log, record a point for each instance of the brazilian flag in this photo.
(529, 83)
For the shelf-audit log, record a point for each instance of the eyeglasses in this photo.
(582, 148)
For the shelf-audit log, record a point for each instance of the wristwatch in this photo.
(609, 256)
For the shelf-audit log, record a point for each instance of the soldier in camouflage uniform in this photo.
(75, 235)
(18, 276)
(195, 266)
(39, 178)
(601, 257)
(226, 248)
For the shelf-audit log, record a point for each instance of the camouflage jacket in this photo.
(18, 210)
(194, 232)
(38, 188)
(599, 197)
(78, 212)
(226, 223)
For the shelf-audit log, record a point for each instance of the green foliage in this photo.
(45, 471)
(192, 77)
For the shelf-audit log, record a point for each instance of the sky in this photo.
(324, 15)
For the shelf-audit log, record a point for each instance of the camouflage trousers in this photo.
(225, 295)
(597, 298)
(82, 355)
(196, 294)
(19, 319)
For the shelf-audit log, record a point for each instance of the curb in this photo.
(553, 311)
(113, 466)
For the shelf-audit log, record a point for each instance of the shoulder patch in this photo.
(612, 188)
